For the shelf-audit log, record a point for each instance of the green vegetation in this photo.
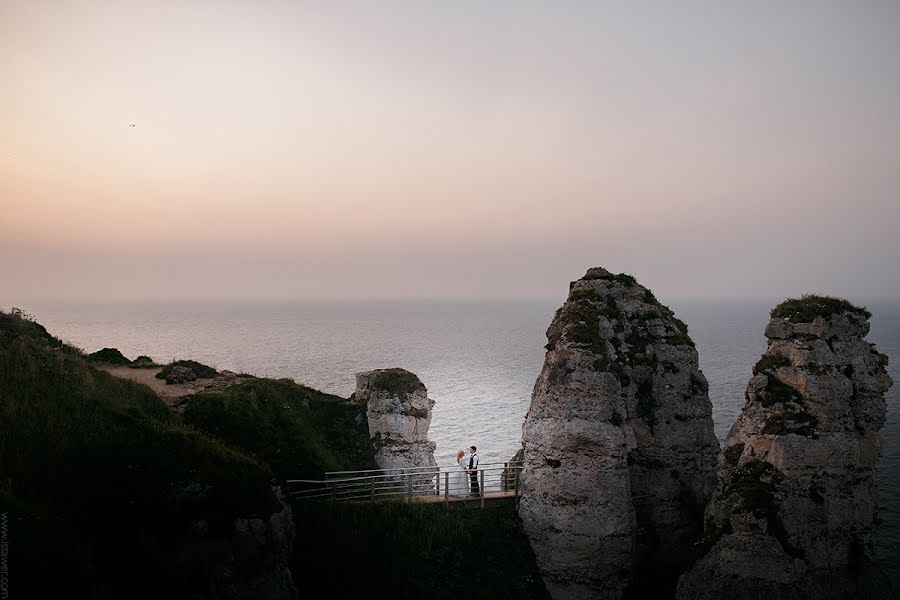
(624, 278)
(99, 481)
(755, 488)
(300, 432)
(810, 306)
(415, 551)
(108, 356)
(200, 370)
(777, 392)
(769, 362)
(754, 483)
(398, 381)
(104, 486)
(144, 362)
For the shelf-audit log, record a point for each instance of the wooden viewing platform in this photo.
(430, 485)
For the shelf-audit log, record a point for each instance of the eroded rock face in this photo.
(619, 447)
(399, 414)
(797, 495)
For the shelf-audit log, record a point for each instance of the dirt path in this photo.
(171, 393)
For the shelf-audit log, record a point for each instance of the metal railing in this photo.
(414, 484)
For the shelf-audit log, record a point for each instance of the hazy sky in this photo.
(447, 149)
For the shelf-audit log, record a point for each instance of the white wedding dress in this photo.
(459, 481)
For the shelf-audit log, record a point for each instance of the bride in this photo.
(459, 480)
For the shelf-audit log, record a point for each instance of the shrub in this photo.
(777, 392)
(200, 370)
(109, 356)
(810, 306)
(770, 362)
(144, 362)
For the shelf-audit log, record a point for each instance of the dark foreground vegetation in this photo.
(396, 550)
(102, 485)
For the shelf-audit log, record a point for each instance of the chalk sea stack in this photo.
(398, 410)
(797, 494)
(619, 449)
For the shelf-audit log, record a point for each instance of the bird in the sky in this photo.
(132, 125)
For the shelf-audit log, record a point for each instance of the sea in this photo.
(478, 359)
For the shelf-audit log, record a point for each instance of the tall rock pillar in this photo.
(797, 495)
(619, 449)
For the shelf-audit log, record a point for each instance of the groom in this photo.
(473, 471)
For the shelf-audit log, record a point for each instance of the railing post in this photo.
(446, 489)
(437, 483)
(333, 492)
(481, 474)
(409, 487)
(372, 489)
(504, 485)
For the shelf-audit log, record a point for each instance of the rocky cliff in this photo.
(619, 447)
(253, 563)
(797, 495)
(398, 410)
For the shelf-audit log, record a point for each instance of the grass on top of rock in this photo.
(102, 482)
(623, 278)
(299, 432)
(810, 306)
(200, 370)
(397, 381)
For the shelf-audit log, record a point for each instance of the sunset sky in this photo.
(447, 149)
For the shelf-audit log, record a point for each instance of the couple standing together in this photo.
(458, 483)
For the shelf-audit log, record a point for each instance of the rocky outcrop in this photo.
(180, 375)
(399, 413)
(253, 563)
(797, 495)
(619, 447)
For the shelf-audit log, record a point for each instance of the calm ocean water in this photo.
(479, 360)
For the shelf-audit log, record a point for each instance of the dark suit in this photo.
(473, 474)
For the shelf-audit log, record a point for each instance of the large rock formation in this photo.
(797, 494)
(399, 413)
(619, 447)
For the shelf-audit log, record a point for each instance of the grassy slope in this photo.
(98, 482)
(300, 432)
(118, 457)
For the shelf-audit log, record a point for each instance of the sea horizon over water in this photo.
(478, 359)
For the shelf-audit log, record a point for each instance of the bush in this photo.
(108, 356)
(144, 362)
(810, 306)
(200, 370)
(770, 362)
